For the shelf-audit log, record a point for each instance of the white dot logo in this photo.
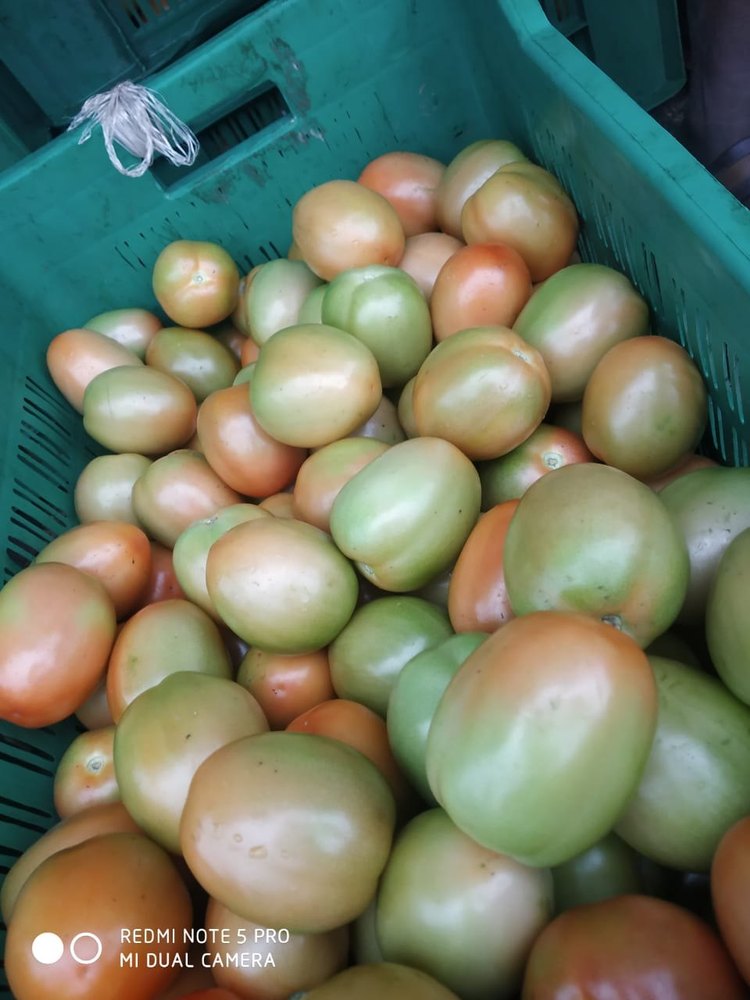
(47, 948)
(82, 953)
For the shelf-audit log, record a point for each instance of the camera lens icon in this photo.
(48, 948)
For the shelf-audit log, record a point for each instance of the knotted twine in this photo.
(134, 117)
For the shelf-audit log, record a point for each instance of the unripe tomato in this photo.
(274, 297)
(104, 489)
(466, 173)
(196, 283)
(424, 256)
(198, 359)
(131, 328)
(383, 425)
(381, 979)
(727, 625)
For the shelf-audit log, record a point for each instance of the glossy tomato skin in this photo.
(286, 687)
(551, 710)
(85, 775)
(378, 980)
(466, 173)
(383, 425)
(273, 299)
(94, 713)
(730, 892)
(477, 595)
(104, 489)
(196, 283)
(162, 584)
(409, 182)
(630, 946)
(461, 913)
(201, 361)
(164, 736)
(608, 868)
(131, 328)
(702, 740)
(590, 538)
(575, 318)
(424, 256)
(727, 626)
(289, 830)
(49, 667)
(115, 881)
(76, 357)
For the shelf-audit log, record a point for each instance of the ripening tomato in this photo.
(466, 173)
(94, 713)
(159, 640)
(480, 285)
(131, 328)
(342, 224)
(286, 686)
(274, 297)
(524, 206)
(466, 915)
(477, 595)
(104, 489)
(177, 490)
(593, 539)
(552, 710)
(727, 624)
(630, 946)
(198, 359)
(86, 895)
(117, 554)
(644, 406)
(289, 830)
(76, 357)
(409, 181)
(196, 283)
(162, 584)
(730, 892)
(378, 980)
(163, 737)
(57, 626)
(424, 256)
(548, 448)
(85, 775)
(483, 389)
(239, 450)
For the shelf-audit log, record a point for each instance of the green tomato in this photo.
(383, 425)
(384, 308)
(415, 698)
(727, 624)
(609, 868)
(245, 375)
(380, 639)
(365, 946)
(404, 518)
(273, 299)
(465, 915)
(202, 362)
(311, 310)
(696, 783)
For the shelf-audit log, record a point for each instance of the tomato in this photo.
(163, 737)
(710, 507)
(608, 868)
(239, 316)
(104, 489)
(409, 181)
(245, 375)
(139, 410)
(644, 407)
(548, 448)
(381, 637)
(461, 913)
(250, 352)
(76, 357)
(384, 309)
(405, 409)
(359, 727)
(131, 328)
(311, 310)
(631, 946)
(424, 255)
(90, 891)
(342, 224)
(280, 505)
(580, 313)
(159, 640)
(198, 359)
(177, 490)
(379, 980)
(314, 384)
(552, 710)
(323, 475)
(281, 585)
(593, 539)
(191, 549)
(85, 775)
(730, 892)
(238, 449)
(405, 516)
(91, 822)
(231, 337)
(383, 425)
(47, 672)
(727, 626)
(480, 285)
(196, 283)
(702, 741)
(94, 713)
(273, 299)
(483, 389)
(523, 206)
(415, 695)
(286, 686)
(289, 830)
(689, 464)
(162, 584)
(466, 173)
(477, 595)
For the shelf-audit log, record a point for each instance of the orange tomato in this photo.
(409, 181)
(286, 686)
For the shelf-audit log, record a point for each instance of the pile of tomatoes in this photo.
(406, 629)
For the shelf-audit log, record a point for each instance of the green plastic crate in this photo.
(293, 95)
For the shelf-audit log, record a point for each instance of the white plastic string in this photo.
(134, 117)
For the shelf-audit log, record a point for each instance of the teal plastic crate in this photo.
(298, 93)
